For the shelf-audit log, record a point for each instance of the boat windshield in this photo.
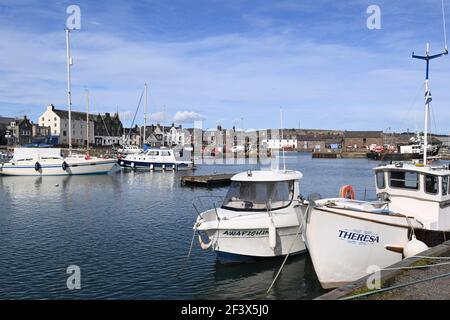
(256, 196)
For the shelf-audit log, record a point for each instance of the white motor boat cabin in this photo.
(259, 217)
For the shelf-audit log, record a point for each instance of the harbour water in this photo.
(129, 232)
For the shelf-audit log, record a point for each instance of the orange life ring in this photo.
(347, 192)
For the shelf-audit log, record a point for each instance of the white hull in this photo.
(55, 168)
(344, 243)
(256, 243)
(249, 235)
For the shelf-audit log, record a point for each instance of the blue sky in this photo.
(223, 61)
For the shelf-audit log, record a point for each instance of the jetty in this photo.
(208, 181)
(339, 155)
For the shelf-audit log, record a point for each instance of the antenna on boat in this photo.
(281, 139)
(69, 87)
(427, 57)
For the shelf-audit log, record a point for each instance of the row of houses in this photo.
(52, 127)
(15, 131)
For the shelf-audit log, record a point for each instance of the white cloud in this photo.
(187, 116)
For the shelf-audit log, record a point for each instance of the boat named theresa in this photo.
(347, 238)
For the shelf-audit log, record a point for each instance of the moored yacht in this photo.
(49, 162)
(155, 159)
(260, 217)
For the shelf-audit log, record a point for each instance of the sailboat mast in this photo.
(427, 108)
(87, 119)
(69, 88)
(145, 115)
(281, 140)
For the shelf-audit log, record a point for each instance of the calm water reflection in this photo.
(130, 232)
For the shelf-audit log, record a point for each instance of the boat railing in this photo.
(207, 202)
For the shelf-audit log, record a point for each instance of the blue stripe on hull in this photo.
(156, 165)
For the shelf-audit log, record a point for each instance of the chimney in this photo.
(51, 107)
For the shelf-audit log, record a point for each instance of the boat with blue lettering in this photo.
(349, 239)
(260, 217)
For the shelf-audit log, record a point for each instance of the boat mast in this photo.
(281, 140)
(427, 57)
(69, 88)
(87, 120)
(145, 115)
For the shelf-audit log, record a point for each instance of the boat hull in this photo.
(150, 165)
(240, 245)
(56, 169)
(343, 245)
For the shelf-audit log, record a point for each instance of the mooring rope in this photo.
(289, 252)
(188, 256)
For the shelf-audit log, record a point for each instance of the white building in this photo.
(280, 143)
(58, 121)
(178, 136)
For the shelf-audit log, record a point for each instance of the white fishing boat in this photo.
(50, 162)
(259, 218)
(347, 239)
(155, 159)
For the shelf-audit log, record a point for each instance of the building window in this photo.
(64, 133)
(55, 125)
(55, 118)
(431, 184)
